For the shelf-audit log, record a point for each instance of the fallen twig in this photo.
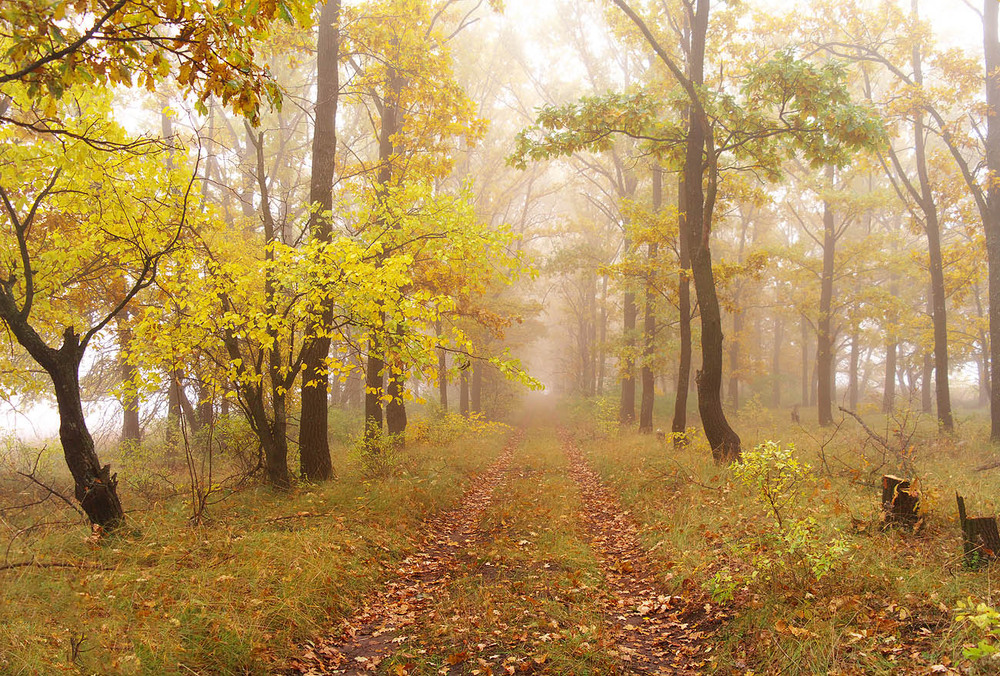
(53, 564)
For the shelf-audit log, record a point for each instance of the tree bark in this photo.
(463, 393)
(649, 320)
(824, 334)
(852, 376)
(389, 126)
(779, 334)
(932, 229)
(476, 390)
(626, 414)
(722, 439)
(804, 339)
(314, 444)
(131, 427)
(395, 408)
(991, 44)
(679, 424)
(442, 372)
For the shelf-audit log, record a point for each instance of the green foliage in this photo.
(777, 479)
(774, 474)
(442, 427)
(986, 620)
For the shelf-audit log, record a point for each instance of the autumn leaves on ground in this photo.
(558, 547)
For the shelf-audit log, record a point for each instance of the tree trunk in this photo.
(804, 339)
(722, 439)
(824, 334)
(602, 337)
(463, 393)
(626, 414)
(779, 334)
(314, 444)
(374, 380)
(131, 427)
(852, 376)
(95, 487)
(442, 372)
(889, 392)
(373, 393)
(991, 44)
(679, 424)
(932, 229)
(649, 320)
(395, 408)
(476, 391)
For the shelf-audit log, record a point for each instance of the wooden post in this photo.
(980, 539)
(900, 502)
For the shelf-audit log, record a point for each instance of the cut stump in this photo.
(900, 502)
(980, 538)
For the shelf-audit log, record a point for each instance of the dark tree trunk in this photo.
(626, 414)
(463, 393)
(779, 335)
(442, 372)
(131, 427)
(983, 362)
(889, 392)
(991, 44)
(804, 339)
(734, 359)
(852, 376)
(395, 408)
(649, 321)
(314, 444)
(926, 384)
(602, 337)
(724, 442)
(374, 387)
(824, 333)
(476, 391)
(679, 424)
(94, 486)
(932, 228)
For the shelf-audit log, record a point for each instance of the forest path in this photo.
(658, 633)
(537, 570)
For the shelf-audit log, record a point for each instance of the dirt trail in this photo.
(657, 633)
(371, 635)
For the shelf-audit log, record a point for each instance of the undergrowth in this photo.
(793, 543)
(263, 572)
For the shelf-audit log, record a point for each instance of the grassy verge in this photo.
(887, 603)
(234, 595)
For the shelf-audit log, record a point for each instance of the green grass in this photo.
(527, 595)
(234, 595)
(891, 589)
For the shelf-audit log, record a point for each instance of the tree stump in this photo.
(980, 539)
(900, 502)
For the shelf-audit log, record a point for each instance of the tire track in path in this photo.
(366, 638)
(657, 633)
